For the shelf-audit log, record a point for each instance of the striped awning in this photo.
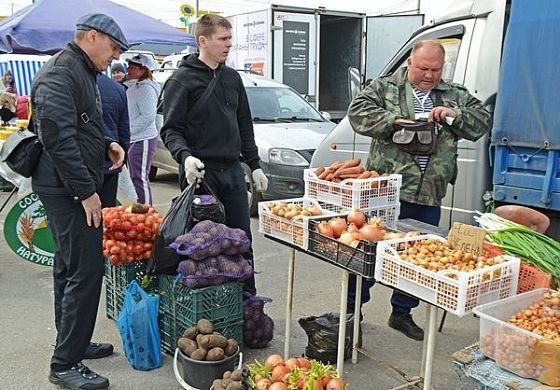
(23, 68)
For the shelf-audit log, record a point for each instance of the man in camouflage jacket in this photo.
(377, 112)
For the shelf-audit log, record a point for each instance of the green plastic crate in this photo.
(181, 307)
(117, 277)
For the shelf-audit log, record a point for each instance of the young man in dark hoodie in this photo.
(208, 143)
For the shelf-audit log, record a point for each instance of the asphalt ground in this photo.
(27, 330)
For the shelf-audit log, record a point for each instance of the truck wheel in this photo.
(153, 172)
(253, 197)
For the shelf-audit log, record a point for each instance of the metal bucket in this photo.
(199, 374)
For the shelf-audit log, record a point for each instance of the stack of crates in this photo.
(181, 307)
(117, 277)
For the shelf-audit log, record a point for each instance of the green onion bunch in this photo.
(517, 240)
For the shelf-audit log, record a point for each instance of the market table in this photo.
(431, 319)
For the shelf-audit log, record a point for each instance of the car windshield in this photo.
(269, 104)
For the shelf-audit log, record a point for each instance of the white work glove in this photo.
(194, 169)
(260, 180)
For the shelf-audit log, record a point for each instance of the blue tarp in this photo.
(528, 103)
(47, 25)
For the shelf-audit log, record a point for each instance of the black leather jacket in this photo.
(67, 117)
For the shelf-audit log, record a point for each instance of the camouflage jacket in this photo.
(373, 113)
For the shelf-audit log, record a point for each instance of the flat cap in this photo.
(105, 24)
(144, 60)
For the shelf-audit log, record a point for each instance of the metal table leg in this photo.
(357, 315)
(430, 346)
(289, 302)
(342, 323)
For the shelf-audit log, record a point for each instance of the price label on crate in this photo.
(467, 238)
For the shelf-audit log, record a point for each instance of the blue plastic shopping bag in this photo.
(138, 326)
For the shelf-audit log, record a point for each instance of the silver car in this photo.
(287, 132)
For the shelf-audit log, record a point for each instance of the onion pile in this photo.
(541, 318)
(293, 374)
(353, 228)
(438, 256)
(292, 210)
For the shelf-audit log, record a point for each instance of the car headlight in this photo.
(286, 157)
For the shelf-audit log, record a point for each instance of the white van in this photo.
(472, 35)
(287, 131)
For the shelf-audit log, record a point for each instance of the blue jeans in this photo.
(402, 303)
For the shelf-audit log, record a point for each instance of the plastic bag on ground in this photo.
(322, 332)
(138, 326)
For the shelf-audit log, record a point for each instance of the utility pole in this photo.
(196, 7)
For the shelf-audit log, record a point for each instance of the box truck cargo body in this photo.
(312, 49)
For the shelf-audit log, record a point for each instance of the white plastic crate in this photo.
(458, 296)
(507, 344)
(389, 214)
(350, 194)
(292, 231)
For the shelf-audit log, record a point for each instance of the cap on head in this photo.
(105, 24)
(144, 60)
(117, 67)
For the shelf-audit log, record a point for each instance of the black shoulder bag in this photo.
(22, 151)
(419, 137)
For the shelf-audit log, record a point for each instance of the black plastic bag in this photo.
(207, 206)
(177, 221)
(322, 332)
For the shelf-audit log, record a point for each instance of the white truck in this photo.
(311, 49)
(472, 35)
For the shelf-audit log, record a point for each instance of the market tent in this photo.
(47, 25)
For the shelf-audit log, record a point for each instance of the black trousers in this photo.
(78, 276)
(230, 188)
(108, 192)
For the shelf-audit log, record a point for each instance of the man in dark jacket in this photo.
(67, 117)
(208, 143)
(115, 117)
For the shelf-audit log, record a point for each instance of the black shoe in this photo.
(98, 350)
(404, 324)
(79, 377)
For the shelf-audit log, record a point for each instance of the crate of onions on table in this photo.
(288, 219)
(129, 232)
(428, 267)
(350, 240)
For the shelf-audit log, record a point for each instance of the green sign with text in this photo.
(27, 233)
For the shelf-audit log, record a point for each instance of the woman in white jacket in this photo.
(142, 95)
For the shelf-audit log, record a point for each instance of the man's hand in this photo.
(260, 180)
(116, 155)
(92, 207)
(194, 169)
(439, 113)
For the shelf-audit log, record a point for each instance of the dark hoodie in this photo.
(221, 130)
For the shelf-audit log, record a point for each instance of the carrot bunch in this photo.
(342, 170)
